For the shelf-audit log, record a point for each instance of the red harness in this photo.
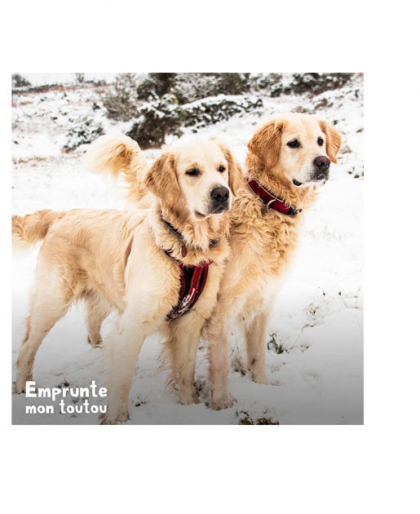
(193, 280)
(270, 201)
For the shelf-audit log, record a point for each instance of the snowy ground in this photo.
(316, 373)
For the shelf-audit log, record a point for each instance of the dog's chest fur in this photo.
(263, 243)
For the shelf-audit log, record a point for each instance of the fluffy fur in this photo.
(262, 245)
(29, 229)
(119, 154)
(115, 260)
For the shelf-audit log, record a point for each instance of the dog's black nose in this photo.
(220, 194)
(322, 163)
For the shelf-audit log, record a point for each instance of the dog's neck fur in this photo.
(282, 188)
(204, 240)
(272, 235)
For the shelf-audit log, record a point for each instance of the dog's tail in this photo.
(119, 154)
(28, 230)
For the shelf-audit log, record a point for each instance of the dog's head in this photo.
(199, 177)
(297, 147)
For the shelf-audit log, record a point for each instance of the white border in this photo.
(235, 469)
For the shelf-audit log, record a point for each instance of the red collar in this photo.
(270, 201)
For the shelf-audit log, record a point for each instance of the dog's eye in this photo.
(320, 141)
(293, 144)
(221, 169)
(193, 172)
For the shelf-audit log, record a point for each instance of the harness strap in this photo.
(193, 280)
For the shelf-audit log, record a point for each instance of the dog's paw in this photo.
(188, 398)
(113, 418)
(260, 378)
(193, 400)
(108, 420)
(19, 386)
(223, 402)
(96, 343)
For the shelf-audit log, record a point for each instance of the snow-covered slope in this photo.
(315, 355)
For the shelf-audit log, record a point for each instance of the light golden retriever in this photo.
(288, 159)
(130, 260)
(289, 156)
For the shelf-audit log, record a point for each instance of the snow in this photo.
(317, 318)
(39, 79)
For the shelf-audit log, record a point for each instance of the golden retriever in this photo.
(130, 261)
(288, 160)
(288, 157)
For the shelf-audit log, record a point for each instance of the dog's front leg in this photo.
(125, 347)
(218, 353)
(182, 346)
(219, 372)
(255, 335)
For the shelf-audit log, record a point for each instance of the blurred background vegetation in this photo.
(161, 104)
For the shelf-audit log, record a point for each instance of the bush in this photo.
(156, 86)
(196, 86)
(312, 83)
(233, 83)
(171, 100)
(157, 120)
(188, 87)
(165, 116)
(19, 81)
(213, 110)
(266, 81)
(83, 131)
(120, 103)
(80, 78)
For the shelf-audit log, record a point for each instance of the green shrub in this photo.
(19, 81)
(165, 116)
(120, 102)
(82, 131)
(212, 110)
(156, 86)
(313, 83)
(80, 78)
(157, 120)
(188, 87)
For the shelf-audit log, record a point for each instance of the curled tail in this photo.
(119, 154)
(28, 230)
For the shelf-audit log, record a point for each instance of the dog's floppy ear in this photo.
(161, 179)
(236, 176)
(333, 140)
(265, 143)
